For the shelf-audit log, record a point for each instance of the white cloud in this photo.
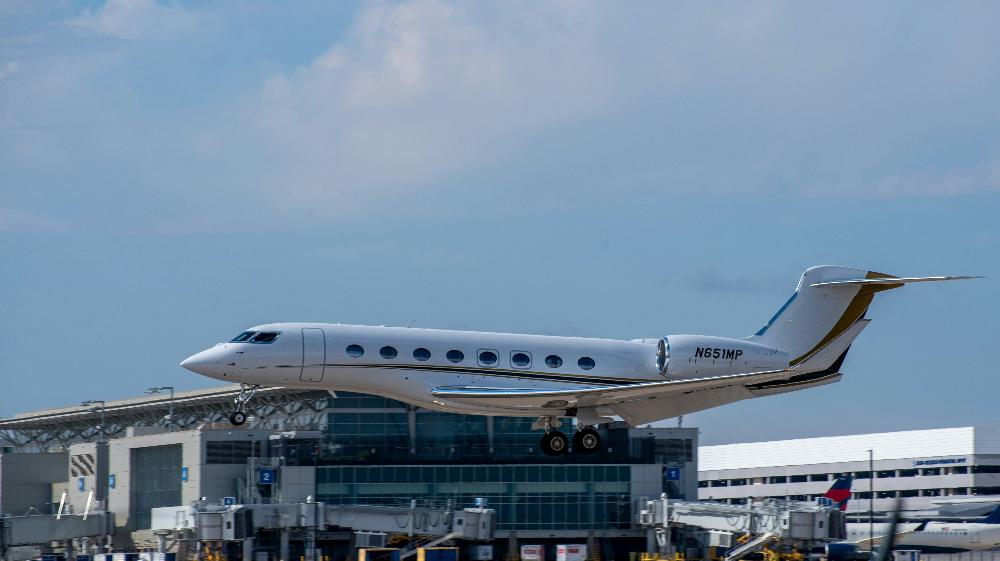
(982, 176)
(421, 89)
(8, 69)
(446, 105)
(136, 19)
(20, 221)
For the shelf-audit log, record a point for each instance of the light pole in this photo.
(90, 402)
(170, 411)
(871, 498)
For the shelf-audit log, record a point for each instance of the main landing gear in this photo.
(247, 391)
(554, 443)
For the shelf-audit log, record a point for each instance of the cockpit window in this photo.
(243, 337)
(265, 337)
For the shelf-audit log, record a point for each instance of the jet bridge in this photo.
(43, 528)
(798, 523)
(363, 525)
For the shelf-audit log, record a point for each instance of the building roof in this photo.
(932, 443)
(65, 425)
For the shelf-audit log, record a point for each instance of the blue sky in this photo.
(173, 172)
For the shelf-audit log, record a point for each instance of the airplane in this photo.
(551, 378)
(840, 492)
(934, 536)
(927, 536)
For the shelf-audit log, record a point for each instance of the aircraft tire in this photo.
(586, 441)
(554, 443)
(237, 418)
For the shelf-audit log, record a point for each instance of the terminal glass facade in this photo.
(379, 451)
(526, 497)
(155, 481)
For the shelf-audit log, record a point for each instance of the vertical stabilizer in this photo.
(815, 315)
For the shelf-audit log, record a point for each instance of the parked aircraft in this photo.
(933, 536)
(929, 536)
(593, 380)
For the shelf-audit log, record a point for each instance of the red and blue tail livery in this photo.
(840, 492)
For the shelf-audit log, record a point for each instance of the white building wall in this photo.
(853, 448)
(941, 461)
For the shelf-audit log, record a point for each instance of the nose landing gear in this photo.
(247, 391)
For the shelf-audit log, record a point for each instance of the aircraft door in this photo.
(313, 354)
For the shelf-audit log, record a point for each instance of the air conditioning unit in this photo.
(370, 539)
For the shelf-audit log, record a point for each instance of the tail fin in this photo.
(827, 302)
(994, 517)
(840, 492)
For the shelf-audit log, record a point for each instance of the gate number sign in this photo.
(266, 477)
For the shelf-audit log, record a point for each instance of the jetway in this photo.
(42, 529)
(762, 523)
(216, 522)
(313, 522)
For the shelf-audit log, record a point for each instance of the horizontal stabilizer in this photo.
(893, 280)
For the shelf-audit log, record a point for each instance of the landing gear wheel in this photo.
(586, 441)
(554, 443)
(237, 418)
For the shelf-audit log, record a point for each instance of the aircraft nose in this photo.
(203, 363)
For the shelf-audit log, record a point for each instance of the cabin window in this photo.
(421, 354)
(265, 337)
(553, 361)
(586, 362)
(355, 351)
(455, 356)
(488, 357)
(242, 337)
(388, 352)
(520, 359)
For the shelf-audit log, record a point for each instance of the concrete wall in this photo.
(26, 480)
(297, 483)
(211, 481)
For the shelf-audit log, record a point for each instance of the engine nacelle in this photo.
(680, 357)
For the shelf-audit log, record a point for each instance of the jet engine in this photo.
(680, 357)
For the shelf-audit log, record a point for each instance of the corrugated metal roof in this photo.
(961, 441)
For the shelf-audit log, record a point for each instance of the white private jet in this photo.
(593, 380)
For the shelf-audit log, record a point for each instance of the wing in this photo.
(591, 397)
(634, 401)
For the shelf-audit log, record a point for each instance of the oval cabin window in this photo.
(520, 359)
(488, 358)
(553, 361)
(455, 356)
(586, 363)
(388, 352)
(421, 354)
(355, 351)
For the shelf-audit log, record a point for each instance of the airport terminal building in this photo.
(920, 467)
(304, 447)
